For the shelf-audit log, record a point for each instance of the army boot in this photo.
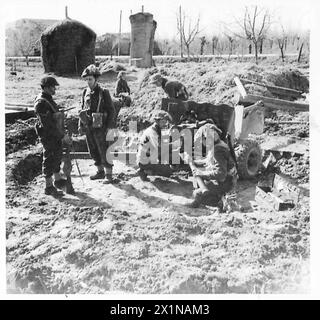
(198, 198)
(59, 182)
(99, 175)
(108, 176)
(142, 174)
(51, 190)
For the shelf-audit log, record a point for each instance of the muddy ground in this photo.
(138, 237)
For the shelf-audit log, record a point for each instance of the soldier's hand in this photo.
(67, 140)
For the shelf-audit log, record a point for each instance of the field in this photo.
(138, 237)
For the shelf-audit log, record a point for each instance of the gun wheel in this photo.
(249, 157)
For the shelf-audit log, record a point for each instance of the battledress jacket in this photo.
(149, 144)
(44, 109)
(220, 165)
(122, 86)
(90, 101)
(174, 89)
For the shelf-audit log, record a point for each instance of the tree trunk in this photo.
(27, 60)
(282, 54)
(300, 52)
(256, 51)
(188, 50)
(261, 46)
(250, 48)
(180, 31)
(212, 47)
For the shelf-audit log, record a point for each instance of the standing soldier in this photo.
(50, 129)
(174, 89)
(96, 117)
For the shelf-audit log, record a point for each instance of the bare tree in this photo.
(189, 33)
(254, 27)
(282, 40)
(26, 39)
(203, 42)
(215, 40)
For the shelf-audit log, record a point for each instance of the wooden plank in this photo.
(282, 90)
(285, 122)
(274, 103)
(16, 108)
(19, 104)
(240, 87)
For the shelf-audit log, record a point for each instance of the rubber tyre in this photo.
(249, 158)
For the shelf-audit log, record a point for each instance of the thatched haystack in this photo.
(67, 47)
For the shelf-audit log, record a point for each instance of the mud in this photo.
(139, 237)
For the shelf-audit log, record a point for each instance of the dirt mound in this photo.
(211, 83)
(20, 135)
(23, 166)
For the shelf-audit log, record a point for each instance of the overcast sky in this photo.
(103, 15)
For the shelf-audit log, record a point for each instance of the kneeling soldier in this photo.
(218, 171)
(150, 147)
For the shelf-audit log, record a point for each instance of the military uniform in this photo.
(122, 92)
(50, 136)
(149, 151)
(122, 87)
(219, 175)
(174, 89)
(92, 101)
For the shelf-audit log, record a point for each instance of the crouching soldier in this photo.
(174, 89)
(149, 151)
(50, 129)
(217, 171)
(96, 117)
(122, 90)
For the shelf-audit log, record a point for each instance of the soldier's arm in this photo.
(127, 88)
(80, 124)
(109, 108)
(117, 89)
(186, 94)
(46, 118)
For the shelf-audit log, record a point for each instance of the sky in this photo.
(103, 15)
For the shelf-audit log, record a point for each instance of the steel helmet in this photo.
(161, 114)
(48, 81)
(156, 78)
(91, 70)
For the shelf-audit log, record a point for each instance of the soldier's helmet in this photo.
(161, 114)
(48, 81)
(209, 131)
(120, 74)
(156, 78)
(91, 70)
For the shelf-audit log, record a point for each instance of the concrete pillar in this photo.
(143, 28)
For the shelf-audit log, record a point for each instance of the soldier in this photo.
(122, 89)
(50, 130)
(149, 147)
(174, 89)
(96, 117)
(218, 168)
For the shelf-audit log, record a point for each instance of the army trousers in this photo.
(52, 155)
(97, 146)
(216, 191)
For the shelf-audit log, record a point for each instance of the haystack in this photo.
(67, 47)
